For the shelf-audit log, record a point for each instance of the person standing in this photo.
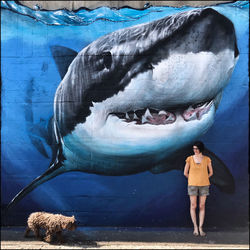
(198, 170)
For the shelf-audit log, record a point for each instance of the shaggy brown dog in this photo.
(52, 223)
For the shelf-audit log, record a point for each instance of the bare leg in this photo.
(27, 232)
(202, 214)
(193, 205)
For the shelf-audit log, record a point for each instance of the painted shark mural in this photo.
(135, 99)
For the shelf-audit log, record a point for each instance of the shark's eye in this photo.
(107, 59)
(148, 66)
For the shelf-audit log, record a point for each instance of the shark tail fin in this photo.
(52, 172)
(222, 177)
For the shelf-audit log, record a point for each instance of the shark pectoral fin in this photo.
(174, 162)
(171, 164)
(63, 57)
(39, 137)
(55, 168)
(49, 174)
(37, 142)
(168, 166)
(56, 145)
(160, 169)
(222, 177)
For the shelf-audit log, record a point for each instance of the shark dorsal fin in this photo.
(63, 57)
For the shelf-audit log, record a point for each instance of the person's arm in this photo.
(210, 169)
(186, 169)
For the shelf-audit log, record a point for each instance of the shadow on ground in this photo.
(69, 238)
(90, 236)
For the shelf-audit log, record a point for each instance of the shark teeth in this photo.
(143, 119)
(136, 117)
(162, 112)
(127, 117)
(196, 111)
(148, 115)
(163, 117)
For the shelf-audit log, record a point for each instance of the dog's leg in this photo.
(59, 236)
(27, 232)
(37, 232)
(48, 236)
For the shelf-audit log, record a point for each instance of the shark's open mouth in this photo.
(163, 117)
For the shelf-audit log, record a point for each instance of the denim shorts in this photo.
(198, 190)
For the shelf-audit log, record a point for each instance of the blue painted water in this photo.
(85, 16)
(29, 81)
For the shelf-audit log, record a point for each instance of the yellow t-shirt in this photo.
(198, 173)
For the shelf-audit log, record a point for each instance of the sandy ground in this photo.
(129, 238)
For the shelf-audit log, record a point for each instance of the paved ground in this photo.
(129, 238)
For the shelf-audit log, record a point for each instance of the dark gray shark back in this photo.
(100, 71)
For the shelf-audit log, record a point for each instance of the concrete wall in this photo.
(73, 5)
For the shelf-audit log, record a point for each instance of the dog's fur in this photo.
(52, 223)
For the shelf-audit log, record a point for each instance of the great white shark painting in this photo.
(135, 99)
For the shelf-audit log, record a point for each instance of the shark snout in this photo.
(212, 31)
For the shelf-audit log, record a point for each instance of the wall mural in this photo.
(120, 95)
